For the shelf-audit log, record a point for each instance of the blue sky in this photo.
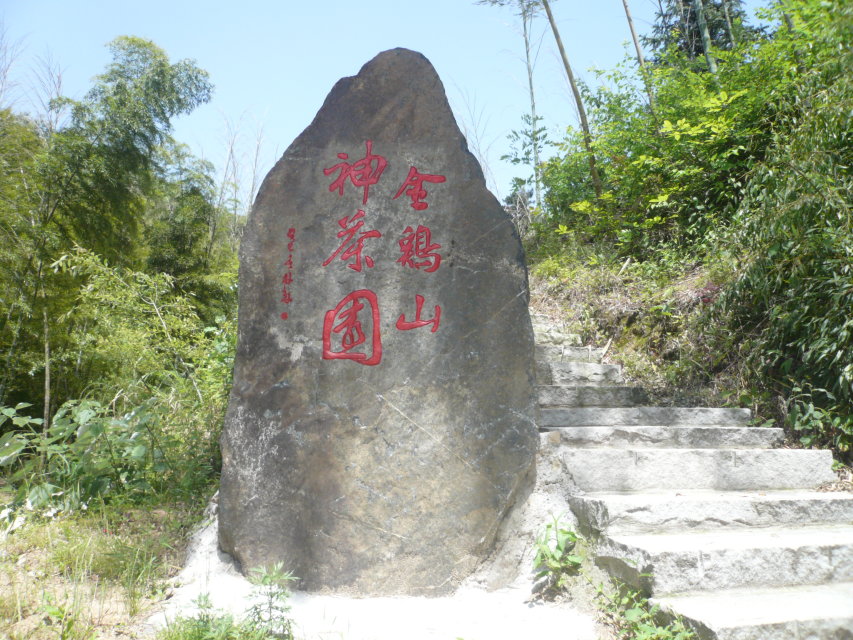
(273, 62)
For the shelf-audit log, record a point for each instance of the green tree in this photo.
(83, 183)
(188, 235)
(527, 143)
(787, 307)
(676, 26)
(587, 135)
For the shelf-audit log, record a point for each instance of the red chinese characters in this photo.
(418, 245)
(362, 173)
(413, 185)
(406, 325)
(351, 330)
(287, 278)
(352, 246)
(345, 326)
(344, 322)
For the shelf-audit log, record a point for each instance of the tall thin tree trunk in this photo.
(46, 423)
(526, 21)
(729, 28)
(798, 56)
(587, 137)
(685, 26)
(706, 37)
(640, 60)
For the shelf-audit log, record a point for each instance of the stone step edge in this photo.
(680, 425)
(704, 541)
(638, 513)
(590, 396)
(548, 353)
(655, 469)
(731, 613)
(644, 415)
(672, 563)
(670, 437)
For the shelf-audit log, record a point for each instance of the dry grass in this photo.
(640, 314)
(85, 576)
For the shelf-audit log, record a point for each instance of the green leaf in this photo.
(635, 614)
(11, 445)
(84, 416)
(40, 495)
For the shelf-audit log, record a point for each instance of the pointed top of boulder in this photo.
(396, 96)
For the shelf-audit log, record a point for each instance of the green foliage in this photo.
(819, 419)
(64, 621)
(159, 433)
(676, 27)
(632, 617)
(97, 181)
(743, 182)
(271, 611)
(556, 557)
(84, 454)
(670, 174)
(168, 376)
(791, 254)
(117, 326)
(675, 174)
(209, 624)
(267, 619)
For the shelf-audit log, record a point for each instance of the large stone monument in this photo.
(380, 425)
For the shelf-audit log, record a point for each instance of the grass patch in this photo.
(89, 574)
(645, 313)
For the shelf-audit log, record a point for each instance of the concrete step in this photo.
(591, 396)
(636, 416)
(669, 511)
(672, 563)
(678, 437)
(721, 469)
(567, 353)
(579, 374)
(814, 612)
(549, 335)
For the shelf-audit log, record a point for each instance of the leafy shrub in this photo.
(556, 558)
(209, 624)
(791, 250)
(632, 617)
(84, 454)
(267, 619)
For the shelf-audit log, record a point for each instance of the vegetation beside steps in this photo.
(564, 566)
(714, 254)
(694, 507)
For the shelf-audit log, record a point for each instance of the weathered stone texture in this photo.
(390, 477)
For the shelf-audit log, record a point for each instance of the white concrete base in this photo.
(472, 613)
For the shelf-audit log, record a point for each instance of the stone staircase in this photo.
(695, 507)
